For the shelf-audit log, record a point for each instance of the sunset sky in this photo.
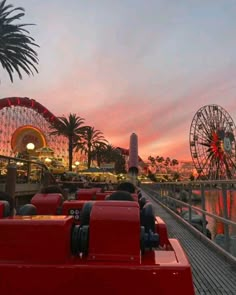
(143, 66)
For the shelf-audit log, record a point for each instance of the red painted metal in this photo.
(47, 204)
(2, 209)
(111, 225)
(162, 231)
(36, 255)
(35, 239)
(86, 194)
(101, 196)
(73, 208)
(28, 103)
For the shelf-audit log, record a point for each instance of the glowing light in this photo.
(47, 160)
(30, 146)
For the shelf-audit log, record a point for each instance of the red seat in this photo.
(114, 231)
(4, 209)
(101, 196)
(47, 204)
(86, 194)
(36, 239)
(162, 231)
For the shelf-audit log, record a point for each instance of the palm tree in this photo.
(98, 152)
(71, 128)
(109, 153)
(92, 138)
(16, 53)
(113, 154)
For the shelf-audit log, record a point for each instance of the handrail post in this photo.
(225, 212)
(28, 171)
(161, 190)
(46, 179)
(203, 203)
(11, 181)
(190, 202)
(174, 197)
(167, 195)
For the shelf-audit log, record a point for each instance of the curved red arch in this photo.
(31, 104)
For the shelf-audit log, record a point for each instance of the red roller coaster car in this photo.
(112, 247)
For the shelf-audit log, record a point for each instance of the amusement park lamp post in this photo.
(30, 147)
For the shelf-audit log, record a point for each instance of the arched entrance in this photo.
(24, 135)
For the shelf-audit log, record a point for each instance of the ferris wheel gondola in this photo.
(212, 143)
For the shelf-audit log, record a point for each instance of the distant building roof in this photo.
(126, 153)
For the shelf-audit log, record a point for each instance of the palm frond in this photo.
(16, 52)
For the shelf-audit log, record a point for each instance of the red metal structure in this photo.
(114, 248)
(18, 112)
(47, 205)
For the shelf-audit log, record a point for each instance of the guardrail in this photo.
(170, 195)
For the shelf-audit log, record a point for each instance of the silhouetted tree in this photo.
(92, 138)
(16, 53)
(72, 128)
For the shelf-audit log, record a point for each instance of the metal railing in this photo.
(172, 194)
(27, 177)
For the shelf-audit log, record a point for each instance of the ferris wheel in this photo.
(212, 143)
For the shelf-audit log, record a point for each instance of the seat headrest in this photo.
(47, 204)
(120, 196)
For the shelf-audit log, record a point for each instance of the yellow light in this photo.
(30, 146)
(47, 160)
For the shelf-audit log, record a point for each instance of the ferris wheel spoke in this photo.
(204, 144)
(205, 162)
(203, 127)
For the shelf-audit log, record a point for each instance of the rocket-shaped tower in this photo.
(133, 155)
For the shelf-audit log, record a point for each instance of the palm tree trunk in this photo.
(89, 160)
(98, 160)
(70, 153)
(89, 157)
